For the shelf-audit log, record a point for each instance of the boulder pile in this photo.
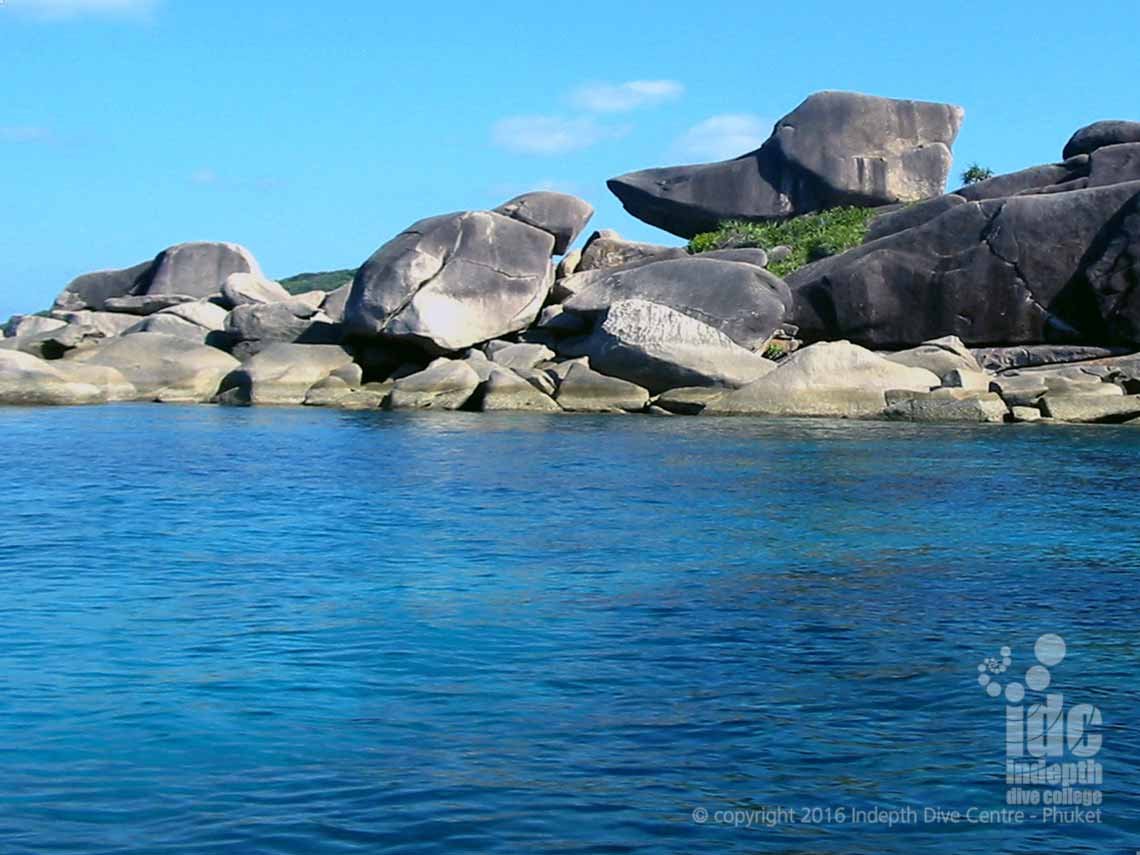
(1015, 299)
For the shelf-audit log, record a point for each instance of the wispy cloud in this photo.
(723, 137)
(548, 135)
(25, 134)
(207, 177)
(624, 97)
(57, 9)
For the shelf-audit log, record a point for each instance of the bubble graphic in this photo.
(993, 690)
(1038, 678)
(984, 680)
(1050, 649)
(1006, 652)
(1015, 693)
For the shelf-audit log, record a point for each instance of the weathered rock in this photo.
(561, 322)
(1099, 134)
(688, 401)
(1090, 408)
(583, 390)
(28, 380)
(960, 378)
(106, 324)
(946, 405)
(1026, 356)
(560, 215)
(109, 381)
(1035, 179)
(659, 348)
(742, 255)
(145, 304)
(978, 272)
(163, 367)
(938, 356)
(209, 316)
(827, 379)
(836, 148)
(352, 374)
(510, 355)
(334, 303)
(164, 324)
(1025, 414)
(606, 250)
(240, 289)
(745, 302)
(30, 325)
(282, 374)
(197, 269)
(568, 264)
(54, 343)
(453, 281)
(506, 390)
(539, 379)
(92, 290)
(290, 321)
(444, 385)
(908, 217)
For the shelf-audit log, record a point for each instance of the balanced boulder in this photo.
(446, 384)
(283, 374)
(836, 148)
(239, 289)
(1099, 134)
(560, 215)
(453, 281)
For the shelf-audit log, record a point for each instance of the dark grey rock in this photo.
(1032, 180)
(910, 216)
(1099, 134)
(1027, 356)
(197, 269)
(92, 290)
(145, 304)
(836, 148)
(607, 250)
(745, 302)
(980, 272)
(559, 214)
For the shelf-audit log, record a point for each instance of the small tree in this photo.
(976, 173)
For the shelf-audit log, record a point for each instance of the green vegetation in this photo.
(810, 237)
(776, 350)
(328, 281)
(975, 173)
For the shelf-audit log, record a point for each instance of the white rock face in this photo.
(283, 374)
(660, 348)
(837, 379)
(29, 380)
(446, 384)
(240, 289)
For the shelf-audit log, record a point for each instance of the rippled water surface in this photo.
(308, 632)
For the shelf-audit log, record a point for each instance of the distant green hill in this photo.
(327, 281)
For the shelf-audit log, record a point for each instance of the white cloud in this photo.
(723, 137)
(74, 8)
(25, 134)
(623, 97)
(549, 135)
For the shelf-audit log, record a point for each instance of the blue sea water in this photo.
(295, 631)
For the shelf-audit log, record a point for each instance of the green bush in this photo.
(810, 237)
(975, 174)
(328, 281)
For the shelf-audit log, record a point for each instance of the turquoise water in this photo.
(294, 631)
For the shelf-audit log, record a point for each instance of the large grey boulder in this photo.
(1090, 408)
(54, 343)
(335, 302)
(946, 405)
(1100, 134)
(1029, 269)
(93, 290)
(835, 379)
(239, 289)
(28, 380)
(106, 324)
(29, 325)
(198, 269)
(205, 314)
(836, 148)
(446, 384)
(560, 215)
(518, 355)
(1026, 356)
(453, 281)
(745, 302)
(283, 374)
(289, 321)
(659, 348)
(583, 390)
(164, 324)
(163, 367)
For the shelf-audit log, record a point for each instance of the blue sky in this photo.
(313, 132)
